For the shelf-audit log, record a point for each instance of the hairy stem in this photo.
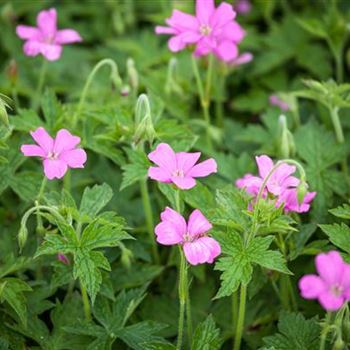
(324, 332)
(241, 317)
(182, 298)
(42, 75)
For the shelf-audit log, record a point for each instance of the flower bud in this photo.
(301, 191)
(127, 257)
(133, 76)
(287, 145)
(125, 90)
(3, 111)
(22, 237)
(63, 258)
(339, 344)
(12, 72)
(171, 85)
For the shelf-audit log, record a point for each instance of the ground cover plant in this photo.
(174, 175)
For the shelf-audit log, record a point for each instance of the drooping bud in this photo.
(127, 257)
(301, 191)
(133, 76)
(22, 237)
(125, 90)
(287, 145)
(171, 84)
(339, 344)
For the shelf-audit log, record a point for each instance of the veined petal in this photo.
(198, 224)
(159, 174)
(311, 286)
(167, 233)
(330, 267)
(51, 52)
(32, 47)
(65, 141)
(185, 160)
(28, 32)
(265, 164)
(182, 21)
(67, 36)
(202, 169)
(202, 250)
(185, 183)
(226, 51)
(164, 157)
(223, 14)
(204, 10)
(74, 158)
(32, 151)
(54, 168)
(330, 302)
(43, 139)
(176, 219)
(47, 22)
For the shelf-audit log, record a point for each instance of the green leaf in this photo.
(339, 235)
(12, 293)
(136, 170)
(51, 108)
(94, 200)
(87, 265)
(295, 333)
(206, 336)
(26, 184)
(237, 267)
(342, 212)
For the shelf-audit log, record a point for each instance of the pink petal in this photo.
(182, 21)
(167, 234)
(32, 151)
(176, 43)
(159, 174)
(164, 157)
(28, 32)
(165, 30)
(204, 10)
(232, 31)
(311, 286)
(176, 219)
(222, 15)
(54, 168)
(67, 36)
(198, 224)
(185, 183)
(202, 250)
(330, 302)
(51, 52)
(185, 161)
(242, 59)
(47, 22)
(202, 169)
(265, 164)
(251, 183)
(74, 158)
(65, 141)
(330, 267)
(32, 48)
(43, 139)
(226, 51)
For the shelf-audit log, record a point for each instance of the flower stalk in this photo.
(42, 76)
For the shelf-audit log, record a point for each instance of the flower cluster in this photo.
(331, 287)
(45, 39)
(281, 185)
(181, 169)
(57, 154)
(211, 30)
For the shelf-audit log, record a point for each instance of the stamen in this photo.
(205, 29)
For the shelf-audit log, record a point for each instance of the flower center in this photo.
(187, 237)
(179, 173)
(337, 290)
(205, 29)
(52, 155)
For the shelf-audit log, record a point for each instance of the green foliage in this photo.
(206, 336)
(295, 333)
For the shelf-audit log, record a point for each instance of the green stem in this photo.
(339, 66)
(114, 75)
(204, 100)
(86, 303)
(149, 218)
(40, 227)
(241, 317)
(67, 181)
(337, 125)
(324, 332)
(234, 309)
(42, 75)
(182, 298)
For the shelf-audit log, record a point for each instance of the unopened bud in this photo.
(12, 72)
(63, 258)
(22, 237)
(301, 191)
(133, 76)
(287, 146)
(125, 90)
(127, 256)
(339, 344)
(3, 109)
(145, 130)
(171, 84)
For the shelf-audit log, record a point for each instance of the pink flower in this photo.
(63, 258)
(243, 7)
(46, 39)
(289, 198)
(58, 154)
(244, 58)
(212, 30)
(332, 286)
(197, 246)
(276, 101)
(179, 168)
